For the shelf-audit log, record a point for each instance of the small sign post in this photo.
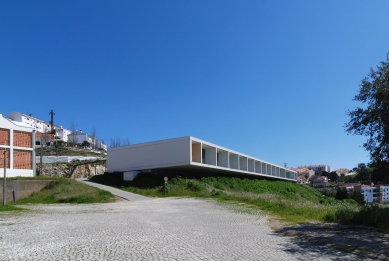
(165, 179)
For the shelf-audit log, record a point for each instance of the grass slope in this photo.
(61, 190)
(290, 202)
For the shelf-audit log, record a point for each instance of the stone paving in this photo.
(157, 229)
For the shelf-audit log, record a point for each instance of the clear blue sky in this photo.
(271, 79)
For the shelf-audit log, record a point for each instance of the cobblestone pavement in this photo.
(157, 229)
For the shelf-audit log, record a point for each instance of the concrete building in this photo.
(42, 127)
(37, 124)
(18, 140)
(376, 193)
(189, 154)
(79, 137)
(320, 167)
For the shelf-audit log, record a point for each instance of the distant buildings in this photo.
(371, 193)
(48, 134)
(319, 168)
(81, 137)
(342, 171)
(320, 182)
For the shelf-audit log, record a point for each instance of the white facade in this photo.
(320, 167)
(80, 137)
(17, 140)
(36, 124)
(61, 133)
(376, 194)
(370, 194)
(191, 154)
(41, 126)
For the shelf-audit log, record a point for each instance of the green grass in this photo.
(8, 208)
(62, 190)
(66, 151)
(290, 202)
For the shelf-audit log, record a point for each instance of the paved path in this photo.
(117, 192)
(156, 229)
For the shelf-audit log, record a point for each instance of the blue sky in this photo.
(271, 79)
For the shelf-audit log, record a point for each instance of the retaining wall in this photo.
(17, 189)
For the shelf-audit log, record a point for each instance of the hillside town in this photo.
(48, 133)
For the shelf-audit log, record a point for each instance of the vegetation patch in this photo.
(293, 203)
(9, 208)
(62, 190)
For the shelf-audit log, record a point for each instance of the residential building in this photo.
(47, 133)
(319, 168)
(320, 182)
(376, 193)
(190, 154)
(79, 137)
(17, 139)
(35, 123)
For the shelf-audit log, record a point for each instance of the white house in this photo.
(36, 124)
(41, 126)
(189, 154)
(17, 139)
(79, 137)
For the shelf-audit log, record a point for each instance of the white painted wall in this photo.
(166, 153)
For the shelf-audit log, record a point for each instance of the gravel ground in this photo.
(156, 229)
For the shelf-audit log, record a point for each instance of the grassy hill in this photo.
(294, 203)
(61, 190)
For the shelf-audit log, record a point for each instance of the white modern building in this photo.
(189, 154)
(17, 141)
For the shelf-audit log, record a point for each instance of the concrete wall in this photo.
(184, 153)
(159, 154)
(17, 189)
(222, 158)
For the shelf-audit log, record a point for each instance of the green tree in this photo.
(364, 173)
(331, 175)
(341, 193)
(373, 120)
(358, 197)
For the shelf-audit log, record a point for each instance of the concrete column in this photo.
(33, 154)
(11, 149)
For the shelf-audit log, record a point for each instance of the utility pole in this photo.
(52, 127)
(5, 178)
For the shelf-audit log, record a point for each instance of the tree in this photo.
(331, 175)
(341, 193)
(364, 173)
(358, 197)
(119, 142)
(373, 120)
(73, 139)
